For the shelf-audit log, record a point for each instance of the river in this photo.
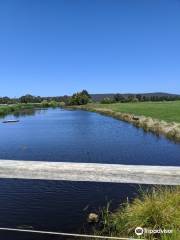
(70, 136)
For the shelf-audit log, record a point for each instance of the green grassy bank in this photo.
(167, 111)
(161, 118)
(158, 208)
(16, 108)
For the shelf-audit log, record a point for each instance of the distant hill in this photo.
(99, 97)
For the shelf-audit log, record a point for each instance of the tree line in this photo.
(83, 97)
(79, 98)
(139, 98)
(28, 98)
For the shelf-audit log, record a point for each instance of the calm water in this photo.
(73, 136)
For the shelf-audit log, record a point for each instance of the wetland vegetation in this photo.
(154, 209)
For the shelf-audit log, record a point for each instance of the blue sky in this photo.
(57, 47)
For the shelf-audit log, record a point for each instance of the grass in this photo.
(16, 108)
(6, 109)
(167, 111)
(158, 208)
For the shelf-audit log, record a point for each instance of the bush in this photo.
(45, 103)
(107, 100)
(158, 208)
(62, 104)
(135, 100)
(53, 104)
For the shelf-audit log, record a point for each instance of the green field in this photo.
(167, 111)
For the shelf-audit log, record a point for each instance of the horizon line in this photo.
(122, 93)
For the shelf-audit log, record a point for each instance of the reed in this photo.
(155, 208)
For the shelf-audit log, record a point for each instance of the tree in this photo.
(139, 97)
(27, 99)
(4, 100)
(134, 100)
(118, 97)
(107, 100)
(130, 98)
(85, 92)
(79, 98)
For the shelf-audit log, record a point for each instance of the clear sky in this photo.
(57, 47)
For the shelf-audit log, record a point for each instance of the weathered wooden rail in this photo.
(93, 172)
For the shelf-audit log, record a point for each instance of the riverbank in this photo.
(16, 108)
(154, 209)
(161, 118)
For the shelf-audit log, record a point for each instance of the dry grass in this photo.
(169, 129)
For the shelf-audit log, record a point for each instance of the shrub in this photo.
(158, 208)
(107, 100)
(53, 104)
(62, 104)
(135, 100)
(44, 103)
